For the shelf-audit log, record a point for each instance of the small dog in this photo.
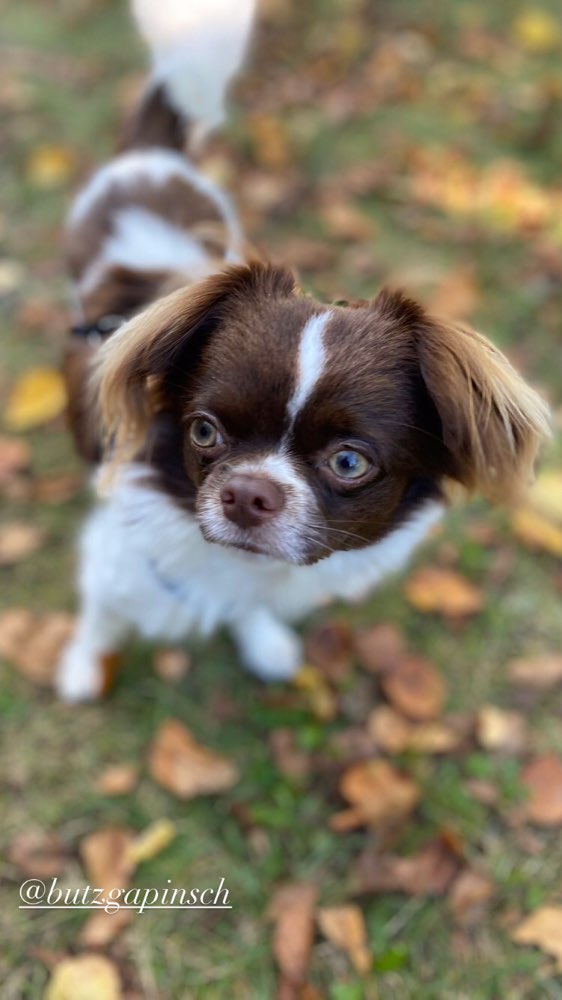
(264, 452)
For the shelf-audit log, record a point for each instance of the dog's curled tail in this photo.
(197, 48)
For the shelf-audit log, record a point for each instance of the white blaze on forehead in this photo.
(311, 361)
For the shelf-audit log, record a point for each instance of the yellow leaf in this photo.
(37, 397)
(152, 841)
(536, 532)
(344, 927)
(546, 495)
(84, 977)
(536, 30)
(48, 166)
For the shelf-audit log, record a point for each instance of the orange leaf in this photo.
(344, 927)
(543, 928)
(435, 589)
(534, 531)
(186, 768)
(542, 779)
(292, 910)
(381, 795)
(415, 688)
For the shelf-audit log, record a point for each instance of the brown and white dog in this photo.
(264, 452)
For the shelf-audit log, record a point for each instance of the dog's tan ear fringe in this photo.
(493, 423)
(133, 362)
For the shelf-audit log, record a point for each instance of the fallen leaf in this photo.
(329, 647)
(290, 760)
(105, 857)
(33, 643)
(151, 841)
(430, 872)
(381, 795)
(346, 221)
(49, 166)
(434, 737)
(319, 696)
(15, 457)
(38, 854)
(84, 977)
(543, 928)
(390, 731)
(37, 397)
(483, 791)
(19, 540)
(498, 729)
(119, 779)
(436, 589)
(542, 779)
(12, 276)
(172, 665)
(292, 910)
(57, 489)
(344, 927)
(469, 896)
(269, 138)
(415, 688)
(379, 648)
(186, 768)
(534, 531)
(541, 672)
(536, 30)
(457, 295)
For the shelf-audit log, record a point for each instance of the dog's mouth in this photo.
(287, 550)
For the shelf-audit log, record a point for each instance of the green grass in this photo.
(66, 64)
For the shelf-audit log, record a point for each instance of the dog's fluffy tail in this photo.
(197, 48)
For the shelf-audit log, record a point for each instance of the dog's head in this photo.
(294, 428)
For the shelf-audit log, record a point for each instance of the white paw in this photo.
(79, 676)
(270, 650)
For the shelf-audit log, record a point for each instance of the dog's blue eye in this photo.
(347, 464)
(204, 434)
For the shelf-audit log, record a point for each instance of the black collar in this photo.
(102, 327)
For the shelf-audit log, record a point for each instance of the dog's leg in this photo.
(270, 649)
(88, 664)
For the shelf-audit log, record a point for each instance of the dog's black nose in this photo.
(250, 500)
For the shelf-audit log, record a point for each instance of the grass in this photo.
(66, 66)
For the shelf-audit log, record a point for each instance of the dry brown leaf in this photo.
(469, 895)
(542, 779)
(457, 295)
(33, 643)
(38, 854)
(37, 397)
(108, 866)
(290, 760)
(415, 688)
(269, 139)
(498, 729)
(344, 927)
(151, 841)
(172, 665)
(427, 873)
(541, 672)
(119, 779)
(381, 795)
(379, 648)
(186, 768)
(57, 489)
(390, 731)
(434, 737)
(346, 221)
(329, 647)
(15, 457)
(542, 928)
(84, 977)
(536, 532)
(436, 589)
(19, 540)
(292, 910)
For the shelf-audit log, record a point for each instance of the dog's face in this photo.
(295, 429)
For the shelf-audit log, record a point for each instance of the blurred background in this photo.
(370, 141)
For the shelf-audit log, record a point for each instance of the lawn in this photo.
(369, 142)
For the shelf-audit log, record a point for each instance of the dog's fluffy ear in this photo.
(134, 362)
(493, 423)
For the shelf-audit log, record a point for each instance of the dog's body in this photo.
(266, 453)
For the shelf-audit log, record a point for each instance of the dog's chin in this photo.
(244, 541)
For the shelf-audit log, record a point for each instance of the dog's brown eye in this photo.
(204, 434)
(348, 464)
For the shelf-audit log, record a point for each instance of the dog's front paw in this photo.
(269, 649)
(79, 675)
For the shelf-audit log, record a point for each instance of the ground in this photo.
(411, 143)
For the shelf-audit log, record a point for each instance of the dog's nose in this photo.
(250, 500)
